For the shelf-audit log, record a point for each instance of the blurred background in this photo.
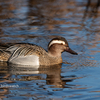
(37, 22)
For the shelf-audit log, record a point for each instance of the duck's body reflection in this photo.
(53, 74)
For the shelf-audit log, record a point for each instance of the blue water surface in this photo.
(37, 22)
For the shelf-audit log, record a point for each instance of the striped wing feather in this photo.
(19, 50)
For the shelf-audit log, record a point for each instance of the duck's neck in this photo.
(54, 53)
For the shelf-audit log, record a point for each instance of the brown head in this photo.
(58, 45)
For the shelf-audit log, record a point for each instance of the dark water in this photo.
(38, 21)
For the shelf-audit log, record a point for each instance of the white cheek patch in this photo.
(57, 41)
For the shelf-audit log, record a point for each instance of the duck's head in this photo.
(58, 45)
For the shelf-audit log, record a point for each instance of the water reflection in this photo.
(12, 76)
(53, 74)
(94, 6)
(47, 13)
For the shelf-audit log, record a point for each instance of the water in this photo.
(37, 22)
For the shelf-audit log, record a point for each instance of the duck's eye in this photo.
(67, 46)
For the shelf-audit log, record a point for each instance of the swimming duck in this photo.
(30, 54)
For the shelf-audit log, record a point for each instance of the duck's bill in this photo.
(71, 51)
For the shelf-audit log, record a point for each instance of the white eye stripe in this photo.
(57, 41)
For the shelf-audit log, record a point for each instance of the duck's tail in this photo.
(4, 56)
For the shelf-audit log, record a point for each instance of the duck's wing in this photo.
(15, 47)
(11, 49)
(24, 50)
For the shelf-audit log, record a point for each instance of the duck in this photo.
(34, 55)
